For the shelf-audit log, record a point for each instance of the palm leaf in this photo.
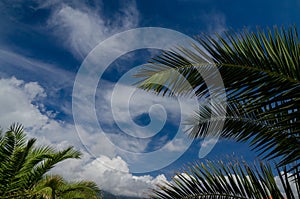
(48, 163)
(271, 136)
(227, 180)
(56, 186)
(23, 165)
(261, 75)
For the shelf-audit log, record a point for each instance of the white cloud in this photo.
(21, 102)
(119, 181)
(13, 63)
(81, 28)
(110, 172)
(206, 143)
(128, 102)
(16, 103)
(291, 181)
(176, 145)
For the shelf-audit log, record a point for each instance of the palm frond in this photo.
(23, 165)
(228, 180)
(272, 136)
(261, 75)
(48, 163)
(56, 186)
(247, 62)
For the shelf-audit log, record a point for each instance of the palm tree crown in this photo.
(261, 75)
(23, 168)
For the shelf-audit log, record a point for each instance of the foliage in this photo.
(261, 76)
(23, 166)
(221, 180)
(260, 88)
(56, 187)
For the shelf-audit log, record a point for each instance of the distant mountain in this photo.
(107, 195)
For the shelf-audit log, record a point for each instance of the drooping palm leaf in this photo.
(271, 136)
(56, 187)
(216, 180)
(47, 162)
(261, 75)
(23, 165)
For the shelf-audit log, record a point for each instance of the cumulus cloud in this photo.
(22, 102)
(17, 105)
(80, 28)
(112, 174)
(177, 145)
(142, 155)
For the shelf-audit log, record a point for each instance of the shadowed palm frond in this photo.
(256, 75)
(218, 180)
(245, 60)
(272, 136)
(261, 75)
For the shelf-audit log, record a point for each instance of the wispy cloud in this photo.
(81, 27)
(215, 22)
(17, 64)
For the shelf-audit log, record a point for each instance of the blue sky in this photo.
(42, 47)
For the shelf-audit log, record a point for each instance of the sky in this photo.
(66, 71)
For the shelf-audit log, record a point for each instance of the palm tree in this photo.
(56, 187)
(23, 166)
(261, 74)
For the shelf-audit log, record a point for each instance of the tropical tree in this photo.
(23, 165)
(261, 75)
(56, 187)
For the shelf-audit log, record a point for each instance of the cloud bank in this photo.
(22, 102)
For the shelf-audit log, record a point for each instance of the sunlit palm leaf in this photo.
(56, 187)
(23, 165)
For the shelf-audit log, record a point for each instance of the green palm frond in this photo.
(23, 165)
(261, 75)
(274, 51)
(216, 180)
(83, 189)
(271, 136)
(236, 72)
(56, 186)
(14, 151)
(254, 74)
(48, 161)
